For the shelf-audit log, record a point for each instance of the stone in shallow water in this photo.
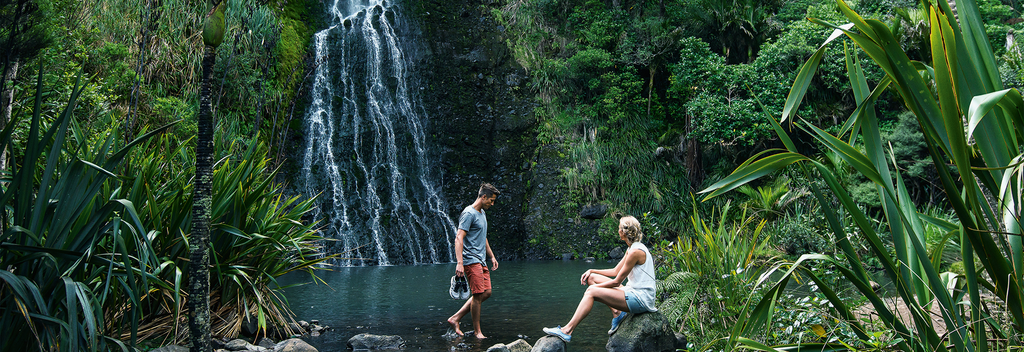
(498, 348)
(549, 344)
(266, 343)
(171, 348)
(519, 345)
(294, 345)
(376, 342)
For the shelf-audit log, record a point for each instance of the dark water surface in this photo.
(413, 302)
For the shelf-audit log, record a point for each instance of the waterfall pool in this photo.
(413, 302)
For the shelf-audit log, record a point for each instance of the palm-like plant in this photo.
(257, 234)
(770, 201)
(68, 252)
(986, 155)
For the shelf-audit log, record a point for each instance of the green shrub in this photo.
(797, 238)
(257, 234)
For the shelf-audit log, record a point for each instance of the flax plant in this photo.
(68, 252)
(971, 124)
(257, 234)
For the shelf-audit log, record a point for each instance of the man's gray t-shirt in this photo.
(474, 247)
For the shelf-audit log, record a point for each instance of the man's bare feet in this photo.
(480, 336)
(455, 325)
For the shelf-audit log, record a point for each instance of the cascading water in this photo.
(365, 152)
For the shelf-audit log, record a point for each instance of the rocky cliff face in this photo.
(482, 128)
(482, 116)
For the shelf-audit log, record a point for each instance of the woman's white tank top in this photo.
(641, 278)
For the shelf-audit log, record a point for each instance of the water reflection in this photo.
(413, 302)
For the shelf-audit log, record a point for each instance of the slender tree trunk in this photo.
(199, 243)
(692, 157)
(650, 87)
(7, 105)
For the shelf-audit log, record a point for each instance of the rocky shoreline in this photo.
(647, 332)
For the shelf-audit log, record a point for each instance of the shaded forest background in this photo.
(631, 106)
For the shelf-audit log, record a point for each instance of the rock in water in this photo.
(171, 348)
(646, 332)
(498, 348)
(376, 342)
(267, 343)
(549, 344)
(294, 345)
(237, 345)
(519, 345)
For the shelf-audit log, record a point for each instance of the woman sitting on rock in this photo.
(637, 296)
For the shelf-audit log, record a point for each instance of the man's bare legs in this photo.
(472, 306)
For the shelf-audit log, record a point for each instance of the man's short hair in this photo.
(486, 189)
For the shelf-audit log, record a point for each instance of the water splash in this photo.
(365, 151)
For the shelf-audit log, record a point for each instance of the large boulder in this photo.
(617, 253)
(293, 345)
(549, 344)
(376, 342)
(593, 211)
(646, 332)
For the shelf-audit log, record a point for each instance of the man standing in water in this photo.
(471, 248)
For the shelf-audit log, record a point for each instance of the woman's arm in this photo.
(625, 266)
(603, 272)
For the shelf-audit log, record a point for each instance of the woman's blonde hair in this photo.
(631, 226)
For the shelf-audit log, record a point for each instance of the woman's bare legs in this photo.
(613, 297)
(595, 279)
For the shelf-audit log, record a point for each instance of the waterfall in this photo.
(365, 150)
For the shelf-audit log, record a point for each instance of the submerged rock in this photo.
(376, 342)
(645, 332)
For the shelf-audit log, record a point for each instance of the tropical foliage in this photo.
(77, 262)
(95, 236)
(960, 87)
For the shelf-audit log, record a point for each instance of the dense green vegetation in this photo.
(98, 202)
(758, 156)
(658, 100)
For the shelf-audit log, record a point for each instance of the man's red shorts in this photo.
(479, 278)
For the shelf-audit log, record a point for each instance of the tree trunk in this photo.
(692, 156)
(199, 243)
(7, 105)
